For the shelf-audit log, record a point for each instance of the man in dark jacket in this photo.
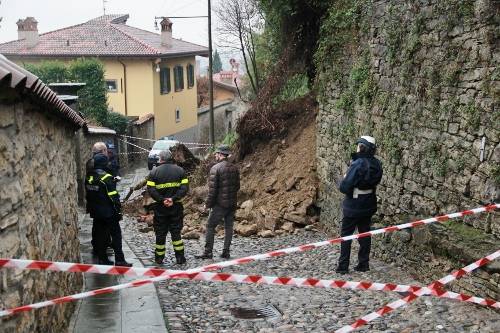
(223, 186)
(103, 204)
(360, 202)
(167, 185)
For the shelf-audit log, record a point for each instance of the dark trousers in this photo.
(349, 225)
(217, 214)
(162, 226)
(103, 230)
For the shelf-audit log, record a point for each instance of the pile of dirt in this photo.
(278, 184)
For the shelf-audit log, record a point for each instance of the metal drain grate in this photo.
(269, 312)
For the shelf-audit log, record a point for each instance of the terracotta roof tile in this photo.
(103, 36)
(20, 79)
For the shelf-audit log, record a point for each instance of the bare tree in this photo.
(239, 21)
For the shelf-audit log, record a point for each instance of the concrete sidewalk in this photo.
(135, 310)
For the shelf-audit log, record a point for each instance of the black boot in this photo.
(225, 254)
(362, 268)
(179, 258)
(122, 263)
(205, 255)
(342, 269)
(104, 261)
(159, 259)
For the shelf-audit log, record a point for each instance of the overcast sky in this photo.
(56, 14)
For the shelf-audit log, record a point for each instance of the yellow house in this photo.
(145, 72)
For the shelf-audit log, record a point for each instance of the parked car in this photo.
(159, 145)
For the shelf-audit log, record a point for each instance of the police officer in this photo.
(360, 202)
(103, 204)
(167, 185)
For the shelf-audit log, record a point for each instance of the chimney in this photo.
(166, 32)
(28, 29)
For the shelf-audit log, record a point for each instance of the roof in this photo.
(226, 86)
(100, 130)
(205, 109)
(20, 79)
(105, 36)
(144, 119)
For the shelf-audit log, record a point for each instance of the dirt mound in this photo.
(278, 183)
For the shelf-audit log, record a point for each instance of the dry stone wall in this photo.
(38, 212)
(422, 77)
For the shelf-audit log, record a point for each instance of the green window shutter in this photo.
(190, 73)
(181, 75)
(165, 86)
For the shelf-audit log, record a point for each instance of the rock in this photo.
(294, 217)
(290, 183)
(288, 226)
(247, 205)
(191, 235)
(246, 230)
(266, 234)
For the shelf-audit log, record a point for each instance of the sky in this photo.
(56, 14)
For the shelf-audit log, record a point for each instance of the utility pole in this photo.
(211, 75)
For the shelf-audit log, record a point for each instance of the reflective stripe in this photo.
(179, 242)
(150, 183)
(178, 248)
(91, 179)
(112, 193)
(159, 246)
(185, 181)
(167, 185)
(160, 253)
(106, 176)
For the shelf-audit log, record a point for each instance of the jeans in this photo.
(216, 215)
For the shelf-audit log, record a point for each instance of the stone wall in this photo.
(38, 212)
(423, 78)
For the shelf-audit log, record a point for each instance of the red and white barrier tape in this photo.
(134, 152)
(239, 278)
(153, 272)
(129, 143)
(152, 140)
(253, 258)
(435, 286)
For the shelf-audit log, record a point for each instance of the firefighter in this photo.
(360, 203)
(167, 185)
(103, 204)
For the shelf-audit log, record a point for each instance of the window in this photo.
(111, 85)
(190, 75)
(179, 78)
(177, 115)
(165, 86)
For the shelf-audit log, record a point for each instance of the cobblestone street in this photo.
(205, 306)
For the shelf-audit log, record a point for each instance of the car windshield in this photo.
(163, 144)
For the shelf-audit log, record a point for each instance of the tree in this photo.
(240, 21)
(92, 99)
(217, 63)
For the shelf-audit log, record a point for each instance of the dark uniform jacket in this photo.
(364, 173)
(167, 181)
(103, 201)
(223, 185)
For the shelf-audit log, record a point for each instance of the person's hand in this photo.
(117, 178)
(168, 202)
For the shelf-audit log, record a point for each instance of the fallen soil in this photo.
(278, 186)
